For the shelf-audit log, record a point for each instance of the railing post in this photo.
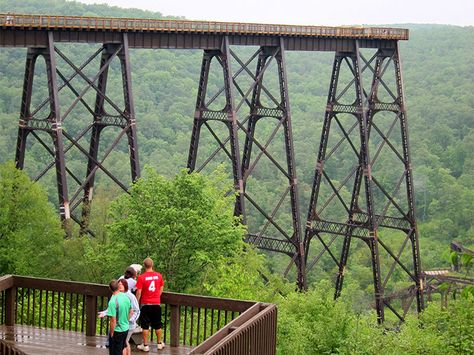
(174, 326)
(10, 306)
(91, 315)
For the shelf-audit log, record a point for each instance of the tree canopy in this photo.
(30, 230)
(184, 224)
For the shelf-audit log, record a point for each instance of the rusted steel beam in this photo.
(288, 239)
(205, 41)
(123, 118)
(366, 211)
(52, 124)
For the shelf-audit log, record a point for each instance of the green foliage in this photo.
(91, 260)
(313, 323)
(467, 291)
(454, 258)
(455, 325)
(466, 260)
(242, 277)
(185, 224)
(30, 230)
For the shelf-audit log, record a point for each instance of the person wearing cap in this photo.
(131, 273)
(137, 267)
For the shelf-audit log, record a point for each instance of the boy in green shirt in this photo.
(119, 310)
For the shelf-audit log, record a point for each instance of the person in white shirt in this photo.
(131, 274)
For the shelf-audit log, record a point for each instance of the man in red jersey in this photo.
(149, 288)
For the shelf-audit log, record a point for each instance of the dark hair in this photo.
(124, 283)
(113, 285)
(130, 272)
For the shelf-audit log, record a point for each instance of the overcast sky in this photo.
(312, 12)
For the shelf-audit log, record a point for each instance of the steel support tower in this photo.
(52, 124)
(124, 119)
(289, 238)
(370, 207)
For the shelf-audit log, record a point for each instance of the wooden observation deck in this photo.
(41, 316)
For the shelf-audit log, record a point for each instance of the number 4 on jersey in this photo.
(152, 287)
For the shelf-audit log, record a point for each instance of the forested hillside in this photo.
(438, 76)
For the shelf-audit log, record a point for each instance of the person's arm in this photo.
(162, 286)
(139, 287)
(113, 323)
(135, 308)
(112, 314)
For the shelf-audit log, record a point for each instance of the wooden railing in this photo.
(206, 323)
(129, 24)
(250, 334)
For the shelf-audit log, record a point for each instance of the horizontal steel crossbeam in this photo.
(269, 112)
(385, 221)
(385, 106)
(321, 226)
(214, 115)
(43, 125)
(113, 120)
(38, 38)
(271, 244)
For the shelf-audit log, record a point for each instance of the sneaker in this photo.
(143, 347)
(161, 345)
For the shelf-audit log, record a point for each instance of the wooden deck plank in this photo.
(41, 341)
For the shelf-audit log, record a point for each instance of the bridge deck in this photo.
(40, 341)
(28, 30)
(153, 25)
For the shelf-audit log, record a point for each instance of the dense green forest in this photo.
(438, 67)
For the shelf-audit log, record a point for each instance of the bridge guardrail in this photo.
(153, 25)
